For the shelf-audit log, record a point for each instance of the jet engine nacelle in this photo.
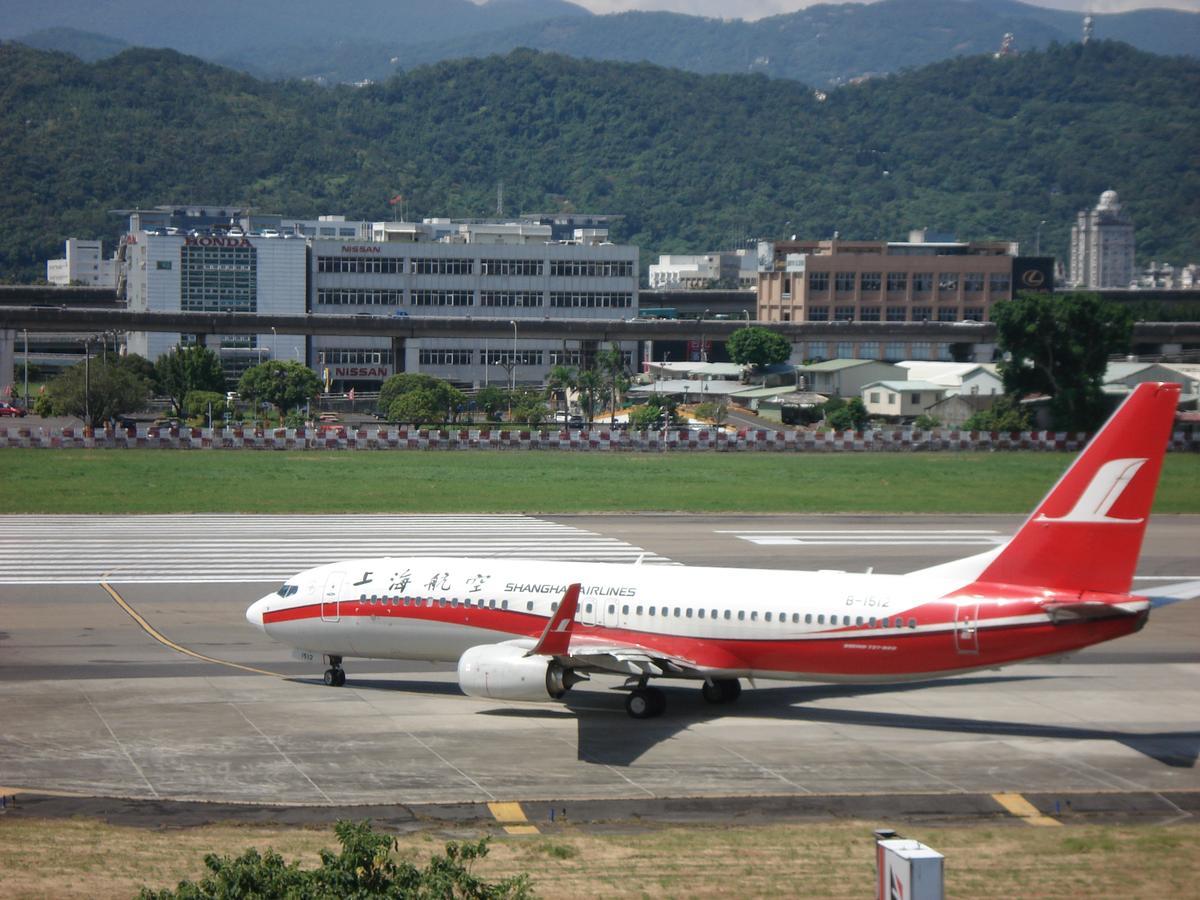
(504, 672)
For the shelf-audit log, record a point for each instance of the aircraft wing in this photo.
(1173, 593)
(622, 659)
(625, 659)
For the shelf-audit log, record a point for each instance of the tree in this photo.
(757, 347)
(423, 405)
(187, 369)
(365, 867)
(1059, 344)
(285, 384)
(1005, 416)
(642, 418)
(846, 415)
(560, 381)
(96, 391)
(402, 383)
(590, 386)
(610, 364)
(491, 400)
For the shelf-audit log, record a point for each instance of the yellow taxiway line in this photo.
(1023, 809)
(512, 817)
(167, 642)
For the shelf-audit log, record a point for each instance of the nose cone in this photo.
(254, 613)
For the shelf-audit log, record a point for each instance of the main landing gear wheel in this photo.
(721, 690)
(645, 703)
(335, 675)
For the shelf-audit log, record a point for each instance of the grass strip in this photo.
(161, 481)
(56, 858)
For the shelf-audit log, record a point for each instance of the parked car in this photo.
(7, 409)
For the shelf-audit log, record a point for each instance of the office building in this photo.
(1102, 246)
(439, 268)
(83, 263)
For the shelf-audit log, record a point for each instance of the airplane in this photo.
(529, 630)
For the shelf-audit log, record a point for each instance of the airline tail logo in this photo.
(1106, 487)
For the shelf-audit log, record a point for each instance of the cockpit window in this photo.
(287, 590)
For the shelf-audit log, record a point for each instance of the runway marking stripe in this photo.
(1023, 809)
(167, 642)
(512, 817)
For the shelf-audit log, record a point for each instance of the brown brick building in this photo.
(879, 281)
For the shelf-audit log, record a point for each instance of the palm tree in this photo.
(589, 384)
(560, 381)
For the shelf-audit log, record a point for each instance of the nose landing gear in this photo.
(335, 676)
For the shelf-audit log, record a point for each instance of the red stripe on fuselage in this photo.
(844, 652)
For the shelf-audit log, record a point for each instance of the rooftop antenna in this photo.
(1089, 24)
(1007, 45)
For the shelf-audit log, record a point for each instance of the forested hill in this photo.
(981, 147)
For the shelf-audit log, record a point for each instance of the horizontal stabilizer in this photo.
(1173, 593)
(1091, 609)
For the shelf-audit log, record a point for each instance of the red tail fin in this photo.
(1087, 533)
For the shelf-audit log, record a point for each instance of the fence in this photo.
(596, 439)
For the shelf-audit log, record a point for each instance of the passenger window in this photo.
(912, 623)
(529, 605)
(589, 608)
(700, 613)
(554, 606)
(886, 622)
(808, 618)
(689, 612)
(652, 610)
(741, 615)
(754, 616)
(821, 619)
(858, 620)
(846, 620)
(783, 617)
(871, 621)
(611, 609)
(728, 615)
(714, 613)
(504, 604)
(767, 617)
(639, 610)
(678, 612)
(492, 603)
(625, 610)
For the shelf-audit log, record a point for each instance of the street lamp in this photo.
(26, 332)
(274, 338)
(513, 377)
(1037, 239)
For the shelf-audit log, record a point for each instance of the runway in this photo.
(93, 705)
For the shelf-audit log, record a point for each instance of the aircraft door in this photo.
(330, 604)
(966, 628)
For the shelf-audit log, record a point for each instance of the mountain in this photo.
(86, 45)
(983, 147)
(821, 45)
(217, 28)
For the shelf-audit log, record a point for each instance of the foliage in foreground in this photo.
(1059, 345)
(364, 868)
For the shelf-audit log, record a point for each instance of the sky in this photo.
(757, 9)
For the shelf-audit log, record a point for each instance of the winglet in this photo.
(557, 636)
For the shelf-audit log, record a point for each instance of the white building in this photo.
(511, 271)
(1102, 246)
(84, 263)
(735, 267)
(901, 399)
(957, 378)
(216, 273)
